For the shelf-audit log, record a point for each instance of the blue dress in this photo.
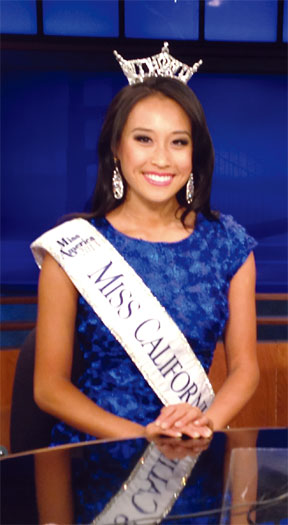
(191, 279)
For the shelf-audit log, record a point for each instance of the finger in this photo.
(181, 414)
(190, 416)
(169, 409)
(204, 423)
(196, 432)
(203, 420)
(152, 431)
(166, 413)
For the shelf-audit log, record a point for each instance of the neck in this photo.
(154, 222)
(150, 215)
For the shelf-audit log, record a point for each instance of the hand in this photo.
(153, 431)
(185, 419)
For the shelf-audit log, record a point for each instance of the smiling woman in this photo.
(151, 280)
(155, 155)
(170, 95)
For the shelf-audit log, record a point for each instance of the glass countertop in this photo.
(237, 477)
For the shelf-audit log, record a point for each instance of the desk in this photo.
(240, 475)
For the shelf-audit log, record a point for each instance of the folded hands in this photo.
(180, 420)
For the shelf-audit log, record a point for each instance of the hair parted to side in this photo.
(116, 117)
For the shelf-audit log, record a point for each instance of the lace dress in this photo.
(190, 278)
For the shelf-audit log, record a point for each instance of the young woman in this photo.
(152, 204)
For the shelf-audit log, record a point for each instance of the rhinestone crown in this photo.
(161, 65)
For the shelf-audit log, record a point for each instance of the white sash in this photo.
(129, 310)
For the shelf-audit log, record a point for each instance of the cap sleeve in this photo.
(240, 244)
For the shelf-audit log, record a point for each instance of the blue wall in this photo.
(51, 120)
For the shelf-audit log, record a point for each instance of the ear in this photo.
(115, 150)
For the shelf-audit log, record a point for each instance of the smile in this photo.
(158, 179)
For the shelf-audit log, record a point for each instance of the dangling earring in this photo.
(117, 182)
(190, 189)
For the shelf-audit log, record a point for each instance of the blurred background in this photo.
(59, 75)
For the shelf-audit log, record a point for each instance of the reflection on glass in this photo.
(257, 487)
(237, 478)
(165, 19)
(238, 20)
(80, 17)
(150, 490)
(18, 17)
(122, 482)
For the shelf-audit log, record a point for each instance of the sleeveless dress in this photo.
(191, 279)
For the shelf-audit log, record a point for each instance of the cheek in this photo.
(186, 163)
(131, 157)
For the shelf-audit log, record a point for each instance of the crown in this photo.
(161, 65)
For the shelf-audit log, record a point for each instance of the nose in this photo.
(160, 156)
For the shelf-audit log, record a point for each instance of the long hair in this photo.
(103, 200)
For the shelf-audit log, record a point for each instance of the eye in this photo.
(142, 138)
(181, 142)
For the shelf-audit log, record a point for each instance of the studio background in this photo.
(55, 92)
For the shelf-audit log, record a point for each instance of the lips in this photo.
(158, 179)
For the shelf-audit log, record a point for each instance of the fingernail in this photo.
(157, 423)
(164, 425)
(178, 424)
(178, 435)
(195, 435)
(208, 433)
(196, 423)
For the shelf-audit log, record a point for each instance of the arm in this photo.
(243, 372)
(240, 348)
(53, 389)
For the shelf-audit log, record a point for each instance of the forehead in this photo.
(156, 110)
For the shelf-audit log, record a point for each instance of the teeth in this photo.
(159, 178)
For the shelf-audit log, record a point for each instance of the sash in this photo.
(129, 310)
(150, 491)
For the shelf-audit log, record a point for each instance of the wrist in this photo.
(133, 430)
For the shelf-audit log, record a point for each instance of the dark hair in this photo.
(116, 117)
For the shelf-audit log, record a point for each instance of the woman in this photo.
(155, 210)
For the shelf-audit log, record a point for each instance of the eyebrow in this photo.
(147, 130)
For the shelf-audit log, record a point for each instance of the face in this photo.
(155, 150)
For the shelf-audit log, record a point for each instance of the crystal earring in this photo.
(190, 189)
(117, 182)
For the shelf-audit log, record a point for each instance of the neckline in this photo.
(155, 243)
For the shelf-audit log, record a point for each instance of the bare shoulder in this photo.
(244, 279)
(54, 283)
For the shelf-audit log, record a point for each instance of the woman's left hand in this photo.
(186, 419)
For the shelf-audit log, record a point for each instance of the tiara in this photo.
(161, 65)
